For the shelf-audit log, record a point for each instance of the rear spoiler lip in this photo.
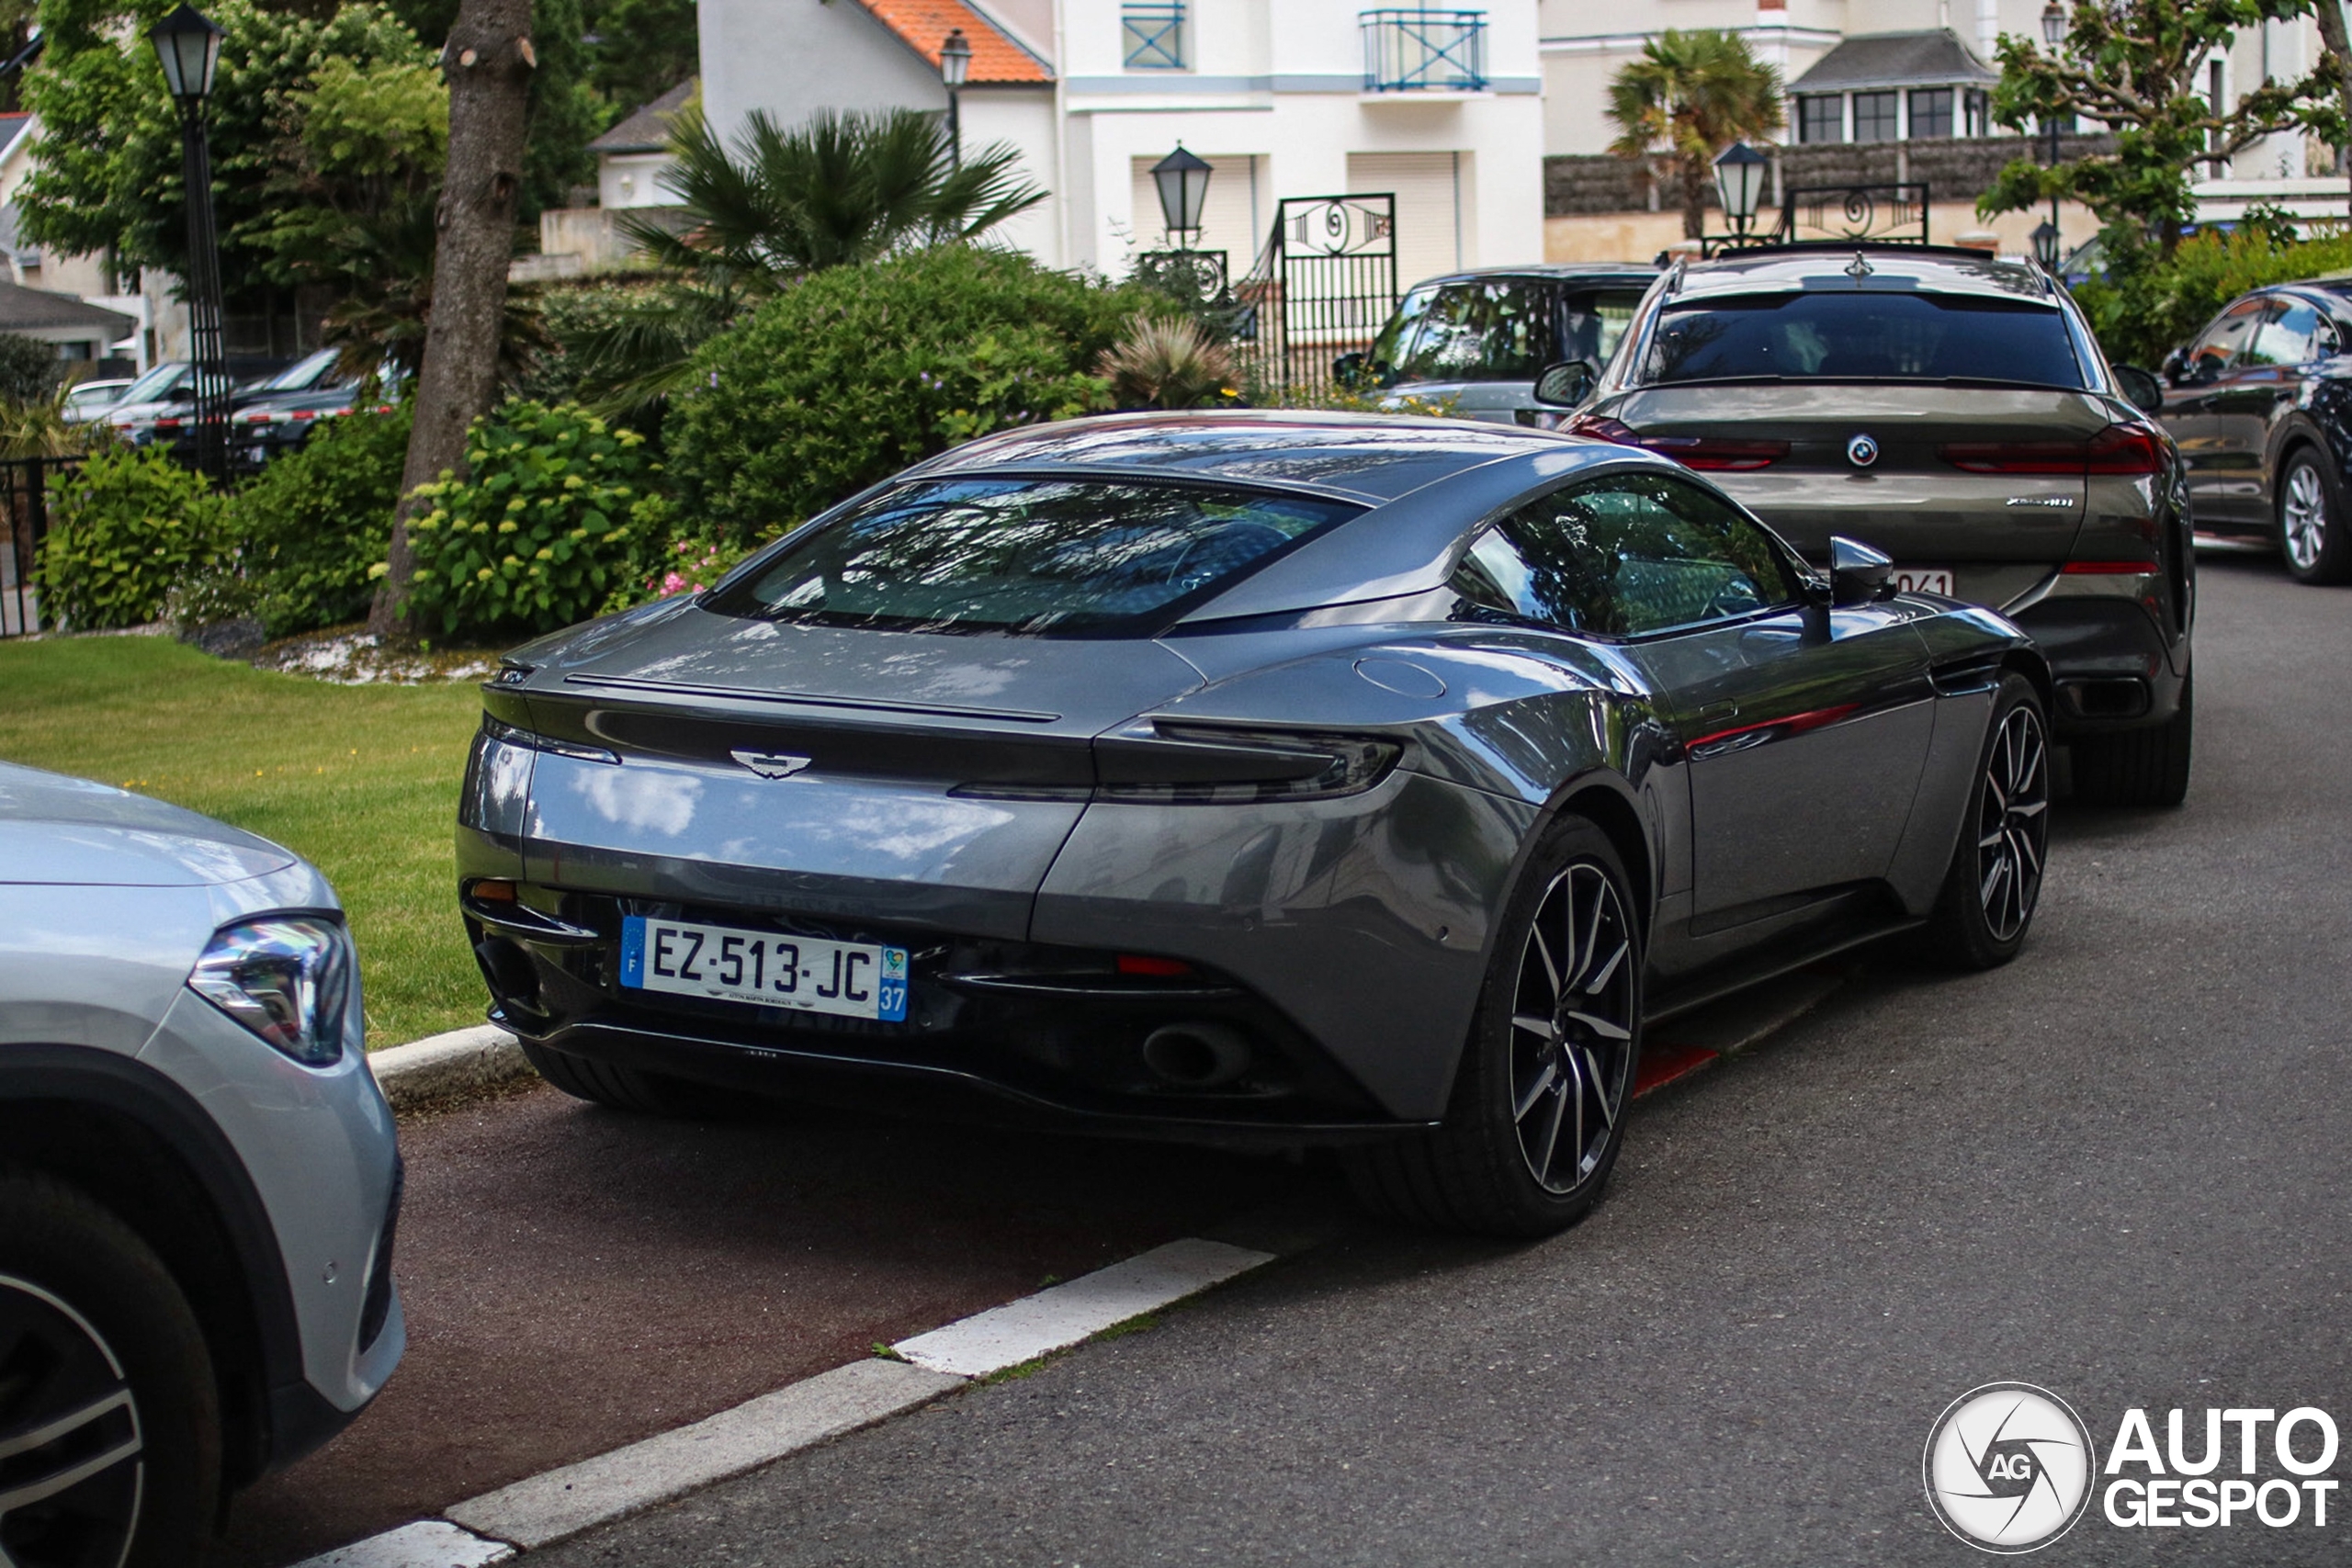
(809, 699)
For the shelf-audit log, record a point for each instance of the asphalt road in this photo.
(2118, 1169)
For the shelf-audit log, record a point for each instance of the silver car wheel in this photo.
(72, 1461)
(2303, 518)
(2013, 824)
(1572, 1028)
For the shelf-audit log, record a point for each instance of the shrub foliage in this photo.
(857, 372)
(309, 528)
(123, 529)
(2149, 304)
(551, 526)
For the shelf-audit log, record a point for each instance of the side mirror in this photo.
(2146, 393)
(1348, 369)
(1565, 384)
(1857, 574)
(2173, 366)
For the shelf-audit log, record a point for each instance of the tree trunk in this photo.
(489, 60)
(2329, 14)
(1694, 197)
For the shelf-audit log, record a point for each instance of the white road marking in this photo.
(428, 1543)
(561, 1503)
(1057, 1318)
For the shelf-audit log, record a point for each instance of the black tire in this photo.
(2147, 767)
(2314, 537)
(624, 1088)
(1525, 1071)
(92, 1322)
(1994, 883)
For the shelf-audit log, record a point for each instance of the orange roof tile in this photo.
(924, 25)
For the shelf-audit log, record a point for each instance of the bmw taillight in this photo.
(2118, 449)
(1711, 452)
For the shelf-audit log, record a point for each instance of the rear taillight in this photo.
(1714, 452)
(2118, 449)
(2124, 449)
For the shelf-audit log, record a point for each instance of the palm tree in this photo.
(1688, 97)
(779, 205)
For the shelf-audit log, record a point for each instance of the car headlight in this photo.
(285, 977)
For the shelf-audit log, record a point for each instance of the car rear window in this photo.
(1862, 336)
(1028, 556)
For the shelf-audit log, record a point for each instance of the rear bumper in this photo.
(1018, 1031)
(2112, 664)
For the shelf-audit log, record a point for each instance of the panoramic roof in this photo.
(1375, 457)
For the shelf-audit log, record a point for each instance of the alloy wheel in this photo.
(2303, 518)
(2013, 824)
(1572, 1028)
(73, 1463)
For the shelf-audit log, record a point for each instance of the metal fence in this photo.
(24, 513)
(1419, 50)
(1322, 288)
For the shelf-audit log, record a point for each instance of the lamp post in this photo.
(187, 43)
(2053, 33)
(954, 65)
(1739, 183)
(1184, 183)
(2045, 246)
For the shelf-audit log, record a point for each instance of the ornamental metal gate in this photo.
(1322, 288)
(24, 524)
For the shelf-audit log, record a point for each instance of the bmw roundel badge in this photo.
(1861, 451)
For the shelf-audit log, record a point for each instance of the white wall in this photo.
(632, 179)
(794, 57)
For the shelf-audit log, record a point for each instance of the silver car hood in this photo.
(67, 831)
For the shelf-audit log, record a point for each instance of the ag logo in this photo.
(2009, 1467)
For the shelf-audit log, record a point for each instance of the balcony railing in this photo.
(1152, 34)
(1424, 51)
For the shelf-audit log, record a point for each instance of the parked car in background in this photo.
(271, 424)
(307, 374)
(199, 1181)
(1246, 778)
(1478, 340)
(1954, 412)
(87, 399)
(2260, 404)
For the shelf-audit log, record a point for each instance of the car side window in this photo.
(2217, 348)
(2289, 334)
(1626, 556)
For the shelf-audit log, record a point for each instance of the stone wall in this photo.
(1956, 170)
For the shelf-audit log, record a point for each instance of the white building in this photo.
(1283, 98)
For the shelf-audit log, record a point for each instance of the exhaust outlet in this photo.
(1196, 1056)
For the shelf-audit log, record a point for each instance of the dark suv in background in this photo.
(1478, 340)
(1954, 412)
(2260, 404)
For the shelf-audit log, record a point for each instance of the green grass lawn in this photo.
(362, 780)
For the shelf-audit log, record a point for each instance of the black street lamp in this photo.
(187, 43)
(2045, 246)
(2053, 33)
(1183, 183)
(1739, 182)
(954, 66)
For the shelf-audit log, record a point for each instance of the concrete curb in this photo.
(448, 1066)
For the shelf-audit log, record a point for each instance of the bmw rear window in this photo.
(1028, 556)
(1868, 335)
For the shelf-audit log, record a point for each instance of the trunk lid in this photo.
(1999, 534)
(880, 775)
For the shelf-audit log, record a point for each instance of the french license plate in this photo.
(847, 978)
(1923, 579)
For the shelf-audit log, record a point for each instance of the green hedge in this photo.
(849, 377)
(2146, 307)
(312, 527)
(555, 521)
(125, 529)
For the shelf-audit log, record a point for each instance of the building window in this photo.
(1424, 51)
(1979, 116)
(1875, 117)
(1930, 112)
(1821, 116)
(1152, 34)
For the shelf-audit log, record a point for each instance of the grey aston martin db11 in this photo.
(1287, 778)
